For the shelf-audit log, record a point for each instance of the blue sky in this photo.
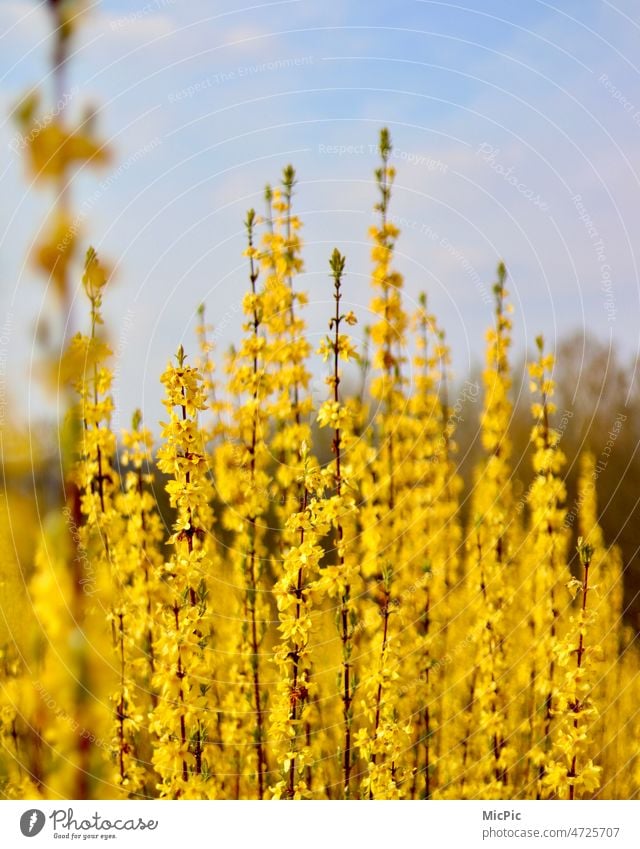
(517, 135)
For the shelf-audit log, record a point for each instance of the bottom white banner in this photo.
(260, 825)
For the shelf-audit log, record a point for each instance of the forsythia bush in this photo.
(315, 625)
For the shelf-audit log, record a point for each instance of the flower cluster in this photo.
(290, 596)
(571, 772)
(294, 593)
(549, 542)
(183, 673)
(490, 546)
